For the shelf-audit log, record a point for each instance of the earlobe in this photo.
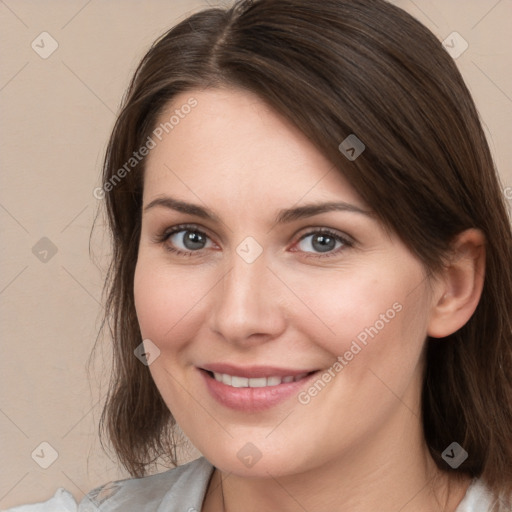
(459, 287)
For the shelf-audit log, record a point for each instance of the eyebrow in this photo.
(283, 216)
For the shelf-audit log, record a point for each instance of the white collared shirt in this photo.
(182, 489)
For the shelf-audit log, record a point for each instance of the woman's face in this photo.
(260, 280)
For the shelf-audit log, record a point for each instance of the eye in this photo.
(189, 240)
(185, 240)
(323, 242)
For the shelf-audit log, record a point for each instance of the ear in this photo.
(458, 287)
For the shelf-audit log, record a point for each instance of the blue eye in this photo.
(184, 240)
(191, 240)
(323, 242)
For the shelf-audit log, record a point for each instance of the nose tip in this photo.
(246, 304)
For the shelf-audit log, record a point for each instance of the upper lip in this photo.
(253, 371)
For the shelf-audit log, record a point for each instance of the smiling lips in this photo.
(253, 388)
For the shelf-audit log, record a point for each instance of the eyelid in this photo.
(345, 237)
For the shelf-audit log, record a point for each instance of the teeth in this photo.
(239, 382)
(273, 381)
(260, 382)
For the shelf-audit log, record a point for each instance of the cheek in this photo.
(339, 306)
(379, 328)
(375, 317)
(166, 302)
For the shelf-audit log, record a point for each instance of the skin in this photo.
(358, 444)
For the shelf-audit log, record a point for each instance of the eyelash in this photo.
(162, 237)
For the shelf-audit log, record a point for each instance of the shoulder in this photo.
(182, 488)
(478, 498)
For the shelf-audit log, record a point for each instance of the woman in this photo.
(311, 270)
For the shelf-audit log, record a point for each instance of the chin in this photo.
(250, 460)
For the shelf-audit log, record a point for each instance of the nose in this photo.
(248, 303)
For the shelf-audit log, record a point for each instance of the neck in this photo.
(367, 477)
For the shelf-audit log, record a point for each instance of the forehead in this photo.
(231, 144)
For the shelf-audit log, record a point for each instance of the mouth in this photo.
(255, 389)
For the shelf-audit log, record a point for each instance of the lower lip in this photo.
(252, 399)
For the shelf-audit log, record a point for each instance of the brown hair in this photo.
(335, 68)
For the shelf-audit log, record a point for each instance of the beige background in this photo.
(56, 117)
